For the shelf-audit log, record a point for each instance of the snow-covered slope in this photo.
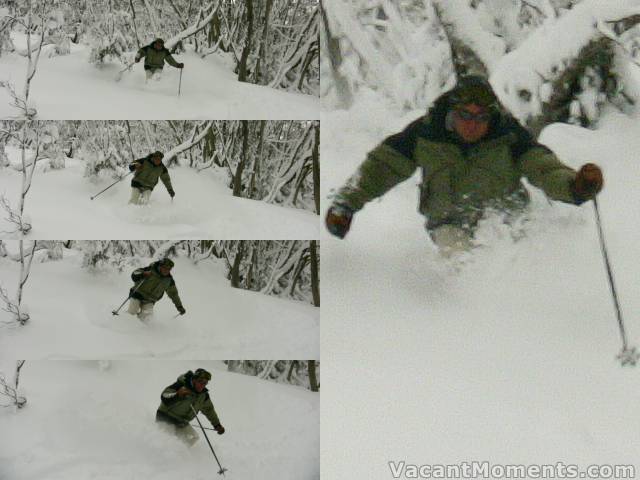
(68, 87)
(82, 423)
(71, 317)
(60, 206)
(508, 358)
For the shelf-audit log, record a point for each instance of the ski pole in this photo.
(114, 183)
(180, 82)
(222, 470)
(117, 312)
(628, 355)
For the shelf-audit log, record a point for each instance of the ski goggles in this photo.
(483, 116)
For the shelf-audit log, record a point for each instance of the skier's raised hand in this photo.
(181, 65)
(183, 392)
(338, 220)
(219, 428)
(181, 310)
(588, 182)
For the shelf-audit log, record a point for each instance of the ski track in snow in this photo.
(59, 206)
(71, 317)
(83, 423)
(68, 85)
(507, 356)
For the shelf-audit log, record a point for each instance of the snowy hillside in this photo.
(60, 206)
(509, 357)
(71, 317)
(83, 423)
(66, 87)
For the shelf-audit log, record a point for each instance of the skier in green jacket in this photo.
(154, 56)
(472, 157)
(147, 172)
(180, 402)
(151, 283)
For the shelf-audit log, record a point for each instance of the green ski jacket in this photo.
(460, 180)
(178, 409)
(147, 177)
(154, 59)
(153, 287)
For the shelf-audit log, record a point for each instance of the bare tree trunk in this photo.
(262, 54)
(315, 277)
(235, 269)
(237, 178)
(313, 379)
(133, 19)
(153, 18)
(242, 67)
(257, 160)
(315, 157)
(293, 364)
(19, 365)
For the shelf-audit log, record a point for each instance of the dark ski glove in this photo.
(181, 310)
(338, 220)
(172, 193)
(181, 65)
(588, 182)
(219, 428)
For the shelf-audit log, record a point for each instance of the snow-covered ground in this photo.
(59, 206)
(84, 423)
(71, 317)
(69, 87)
(508, 358)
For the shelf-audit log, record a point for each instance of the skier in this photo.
(176, 402)
(154, 57)
(472, 156)
(151, 283)
(147, 172)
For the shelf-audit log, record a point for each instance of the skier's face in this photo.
(158, 46)
(199, 384)
(157, 160)
(164, 270)
(471, 122)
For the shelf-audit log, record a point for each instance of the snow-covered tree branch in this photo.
(9, 390)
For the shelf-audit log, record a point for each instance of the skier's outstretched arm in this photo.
(210, 412)
(544, 170)
(141, 54)
(166, 180)
(387, 165)
(172, 293)
(172, 61)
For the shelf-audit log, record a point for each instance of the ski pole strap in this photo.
(612, 285)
